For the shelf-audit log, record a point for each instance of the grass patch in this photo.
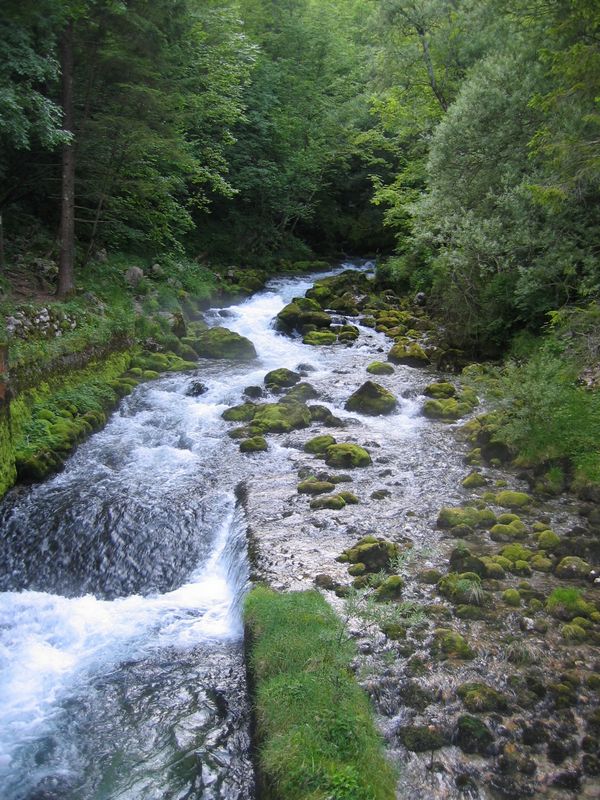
(317, 739)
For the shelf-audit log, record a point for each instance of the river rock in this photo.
(282, 378)
(372, 399)
(572, 567)
(223, 343)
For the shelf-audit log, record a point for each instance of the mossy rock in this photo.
(223, 343)
(474, 480)
(508, 533)
(380, 368)
(356, 569)
(566, 603)
(319, 444)
(150, 374)
(374, 553)
(573, 633)
(390, 589)
(280, 417)
(472, 735)
(241, 413)
(450, 644)
(472, 613)
(319, 338)
(347, 456)
(521, 568)
(431, 577)
(393, 631)
(371, 399)
(441, 390)
(315, 487)
(516, 552)
(300, 393)
(462, 560)
(302, 311)
(461, 588)
(410, 354)
(492, 569)
(481, 698)
(324, 415)
(541, 564)
(572, 567)
(282, 378)
(349, 498)
(447, 410)
(332, 502)
(421, 738)
(509, 499)
(548, 540)
(511, 597)
(467, 515)
(256, 444)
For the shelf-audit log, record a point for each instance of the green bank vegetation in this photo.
(316, 737)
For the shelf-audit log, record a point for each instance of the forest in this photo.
(214, 213)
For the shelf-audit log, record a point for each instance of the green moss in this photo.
(319, 444)
(371, 399)
(241, 413)
(440, 390)
(516, 552)
(479, 697)
(349, 498)
(474, 480)
(345, 456)
(512, 597)
(462, 588)
(469, 515)
(572, 567)
(508, 533)
(390, 589)
(281, 378)
(448, 410)
(548, 540)
(541, 563)
(573, 633)
(450, 644)
(567, 603)
(374, 553)
(508, 499)
(472, 735)
(319, 338)
(223, 343)
(312, 486)
(409, 353)
(316, 734)
(256, 444)
(280, 418)
(380, 368)
(421, 738)
(331, 502)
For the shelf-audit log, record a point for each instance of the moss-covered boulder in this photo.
(280, 418)
(319, 444)
(300, 393)
(256, 444)
(320, 338)
(349, 498)
(302, 311)
(374, 553)
(467, 515)
(462, 588)
(380, 368)
(450, 644)
(515, 500)
(480, 698)
(314, 487)
(472, 735)
(332, 502)
(548, 540)
(421, 738)
(567, 603)
(572, 567)
(512, 597)
(223, 343)
(474, 480)
(515, 530)
(242, 413)
(390, 589)
(371, 399)
(410, 354)
(282, 378)
(440, 390)
(347, 456)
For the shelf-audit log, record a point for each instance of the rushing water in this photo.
(122, 671)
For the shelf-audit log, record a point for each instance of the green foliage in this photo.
(316, 734)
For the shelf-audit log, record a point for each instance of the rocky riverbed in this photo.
(481, 657)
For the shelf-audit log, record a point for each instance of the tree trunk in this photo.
(66, 283)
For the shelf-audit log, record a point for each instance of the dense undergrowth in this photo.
(316, 736)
